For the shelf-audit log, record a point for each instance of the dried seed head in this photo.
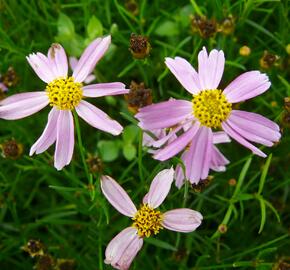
(34, 248)
(268, 60)
(10, 78)
(2, 91)
(227, 25)
(206, 28)
(45, 262)
(138, 97)
(95, 164)
(132, 6)
(245, 51)
(65, 264)
(222, 228)
(287, 104)
(139, 46)
(285, 120)
(199, 187)
(232, 182)
(12, 149)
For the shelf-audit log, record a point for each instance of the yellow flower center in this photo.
(211, 108)
(64, 93)
(147, 221)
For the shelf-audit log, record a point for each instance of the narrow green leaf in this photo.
(160, 243)
(264, 174)
(263, 214)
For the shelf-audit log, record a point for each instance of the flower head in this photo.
(147, 221)
(210, 109)
(64, 94)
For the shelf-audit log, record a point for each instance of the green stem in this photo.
(140, 155)
(82, 152)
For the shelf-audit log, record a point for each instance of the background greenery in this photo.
(68, 214)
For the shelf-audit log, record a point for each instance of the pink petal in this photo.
(97, 118)
(178, 144)
(57, 57)
(89, 78)
(48, 136)
(184, 73)
(123, 248)
(246, 86)
(162, 115)
(236, 136)
(218, 160)
(220, 137)
(64, 139)
(253, 131)
(210, 68)
(117, 196)
(3, 87)
(197, 160)
(149, 140)
(179, 175)
(92, 54)
(73, 61)
(104, 89)
(41, 66)
(159, 188)
(257, 118)
(182, 220)
(21, 105)
(170, 137)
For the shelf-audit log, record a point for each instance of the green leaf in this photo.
(167, 29)
(263, 214)
(160, 243)
(65, 26)
(264, 174)
(109, 150)
(130, 133)
(94, 28)
(129, 151)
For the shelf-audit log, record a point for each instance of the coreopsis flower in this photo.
(64, 94)
(73, 62)
(146, 221)
(209, 109)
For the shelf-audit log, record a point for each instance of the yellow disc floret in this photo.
(147, 221)
(211, 108)
(64, 93)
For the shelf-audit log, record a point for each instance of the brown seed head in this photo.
(45, 262)
(65, 264)
(206, 28)
(227, 26)
(138, 97)
(199, 187)
(12, 149)
(10, 78)
(34, 247)
(268, 60)
(139, 46)
(95, 164)
(132, 6)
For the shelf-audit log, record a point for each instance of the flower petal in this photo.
(159, 188)
(3, 87)
(182, 220)
(179, 175)
(236, 136)
(162, 115)
(104, 89)
(197, 160)
(170, 137)
(210, 68)
(220, 137)
(64, 139)
(57, 57)
(48, 136)
(89, 78)
(117, 196)
(178, 144)
(97, 118)
(21, 105)
(218, 160)
(73, 61)
(123, 248)
(41, 66)
(246, 86)
(253, 131)
(184, 73)
(92, 54)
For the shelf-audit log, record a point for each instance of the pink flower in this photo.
(147, 220)
(64, 94)
(209, 109)
(73, 62)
